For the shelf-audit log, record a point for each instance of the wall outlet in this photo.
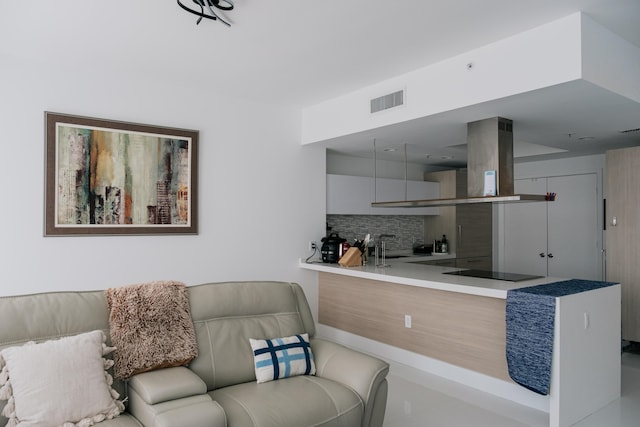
(407, 321)
(312, 245)
(587, 321)
(407, 407)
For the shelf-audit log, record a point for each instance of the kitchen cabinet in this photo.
(464, 326)
(623, 233)
(467, 227)
(353, 195)
(474, 237)
(558, 238)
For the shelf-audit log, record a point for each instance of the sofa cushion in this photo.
(162, 385)
(59, 381)
(151, 327)
(123, 420)
(291, 402)
(282, 357)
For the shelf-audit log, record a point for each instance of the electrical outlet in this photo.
(587, 321)
(407, 321)
(312, 245)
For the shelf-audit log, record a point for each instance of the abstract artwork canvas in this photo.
(110, 177)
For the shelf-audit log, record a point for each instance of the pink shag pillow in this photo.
(151, 327)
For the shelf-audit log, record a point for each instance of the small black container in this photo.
(331, 249)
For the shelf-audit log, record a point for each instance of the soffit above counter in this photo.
(558, 93)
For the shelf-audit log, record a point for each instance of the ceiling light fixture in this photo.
(630, 130)
(207, 11)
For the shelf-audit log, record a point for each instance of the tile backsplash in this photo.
(408, 229)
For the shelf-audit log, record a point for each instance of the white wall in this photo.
(359, 166)
(260, 192)
(558, 167)
(603, 51)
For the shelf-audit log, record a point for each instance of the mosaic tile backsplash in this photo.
(408, 229)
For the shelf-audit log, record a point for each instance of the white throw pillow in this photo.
(59, 382)
(282, 357)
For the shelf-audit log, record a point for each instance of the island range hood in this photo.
(489, 148)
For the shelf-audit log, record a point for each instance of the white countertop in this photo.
(405, 272)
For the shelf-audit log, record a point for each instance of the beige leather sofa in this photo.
(219, 387)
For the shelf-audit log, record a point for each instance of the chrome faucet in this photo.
(383, 249)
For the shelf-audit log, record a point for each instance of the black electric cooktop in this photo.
(495, 275)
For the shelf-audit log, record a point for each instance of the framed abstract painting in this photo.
(107, 177)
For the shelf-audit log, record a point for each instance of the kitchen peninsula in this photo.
(460, 321)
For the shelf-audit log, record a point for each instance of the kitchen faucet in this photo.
(382, 244)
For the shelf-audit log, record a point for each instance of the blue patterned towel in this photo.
(530, 318)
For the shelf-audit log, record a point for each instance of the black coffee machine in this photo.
(331, 249)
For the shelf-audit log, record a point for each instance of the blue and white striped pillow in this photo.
(282, 357)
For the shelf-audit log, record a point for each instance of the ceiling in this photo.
(295, 53)
(573, 119)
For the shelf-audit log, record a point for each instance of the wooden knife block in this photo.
(352, 258)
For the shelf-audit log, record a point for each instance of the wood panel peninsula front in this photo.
(461, 321)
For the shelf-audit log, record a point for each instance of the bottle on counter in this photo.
(444, 245)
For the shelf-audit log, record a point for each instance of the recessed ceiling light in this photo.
(389, 150)
(446, 157)
(586, 138)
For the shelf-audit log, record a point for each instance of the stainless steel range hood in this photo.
(489, 148)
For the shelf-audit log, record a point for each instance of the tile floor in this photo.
(417, 399)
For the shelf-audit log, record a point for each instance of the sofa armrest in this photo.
(363, 373)
(167, 384)
(173, 397)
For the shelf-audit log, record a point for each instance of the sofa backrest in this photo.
(226, 315)
(41, 317)
(46, 316)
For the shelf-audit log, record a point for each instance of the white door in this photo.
(557, 239)
(525, 231)
(573, 251)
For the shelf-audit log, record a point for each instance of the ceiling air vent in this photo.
(385, 102)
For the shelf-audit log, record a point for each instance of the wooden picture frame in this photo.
(105, 177)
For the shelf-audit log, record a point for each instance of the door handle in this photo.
(550, 255)
(541, 254)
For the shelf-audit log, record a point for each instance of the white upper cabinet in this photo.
(353, 195)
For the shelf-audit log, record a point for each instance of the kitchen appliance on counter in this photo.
(441, 246)
(495, 275)
(423, 250)
(332, 248)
